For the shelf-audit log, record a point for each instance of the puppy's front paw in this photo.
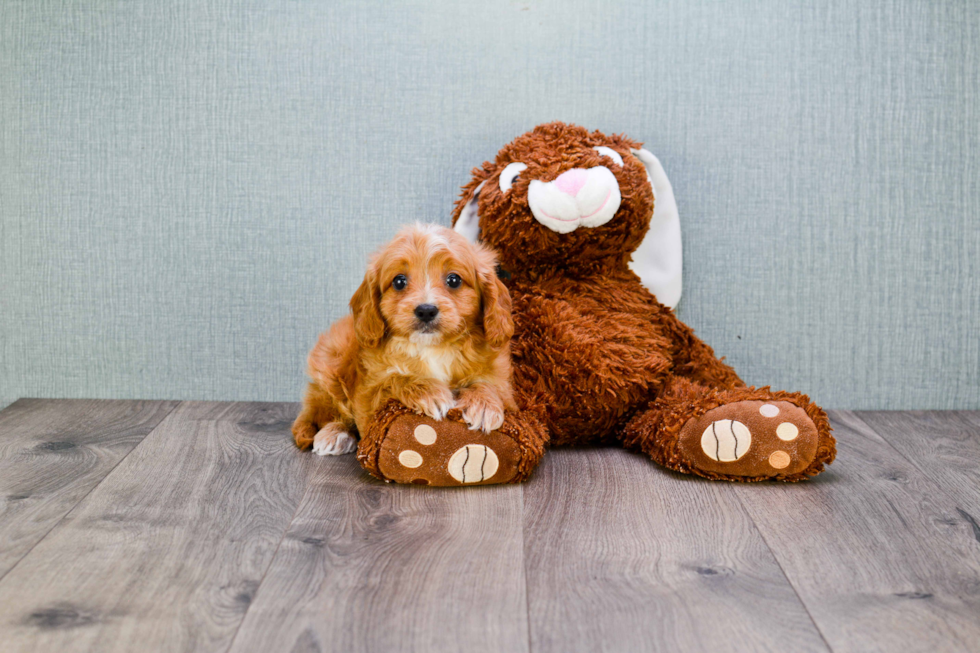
(433, 402)
(481, 410)
(303, 432)
(333, 440)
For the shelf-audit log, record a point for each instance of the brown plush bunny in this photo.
(596, 357)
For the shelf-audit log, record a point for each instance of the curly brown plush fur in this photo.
(596, 357)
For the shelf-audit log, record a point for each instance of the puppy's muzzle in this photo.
(426, 312)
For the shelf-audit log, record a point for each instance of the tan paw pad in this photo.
(726, 440)
(425, 434)
(768, 410)
(787, 432)
(779, 460)
(409, 458)
(473, 463)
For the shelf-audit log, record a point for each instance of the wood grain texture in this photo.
(944, 445)
(624, 556)
(215, 534)
(367, 566)
(53, 452)
(877, 551)
(168, 551)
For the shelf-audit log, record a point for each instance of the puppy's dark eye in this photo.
(453, 280)
(399, 282)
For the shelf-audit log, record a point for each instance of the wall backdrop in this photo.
(189, 190)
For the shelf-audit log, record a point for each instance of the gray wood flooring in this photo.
(193, 526)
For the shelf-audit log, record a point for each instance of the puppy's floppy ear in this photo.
(369, 325)
(498, 324)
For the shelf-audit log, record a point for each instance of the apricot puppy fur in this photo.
(429, 326)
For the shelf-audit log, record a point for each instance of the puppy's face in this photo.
(430, 284)
(428, 291)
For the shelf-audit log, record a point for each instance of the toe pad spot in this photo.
(425, 434)
(768, 410)
(779, 459)
(787, 432)
(410, 458)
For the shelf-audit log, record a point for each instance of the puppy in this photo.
(430, 326)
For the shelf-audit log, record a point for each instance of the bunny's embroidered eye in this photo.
(453, 280)
(399, 282)
(611, 153)
(509, 175)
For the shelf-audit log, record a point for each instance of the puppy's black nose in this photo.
(426, 312)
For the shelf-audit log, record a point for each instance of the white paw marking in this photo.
(331, 442)
(409, 458)
(787, 432)
(726, 440)
(473, 463)
(425, 434)
(779, 459)
(768, 410)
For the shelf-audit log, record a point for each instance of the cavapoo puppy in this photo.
(430, 326)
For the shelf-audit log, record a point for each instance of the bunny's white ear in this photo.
(468, 223)
(657, 261)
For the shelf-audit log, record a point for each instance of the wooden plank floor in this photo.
(198, 527)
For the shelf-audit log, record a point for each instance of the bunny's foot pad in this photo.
(419, 450)
(751, 439)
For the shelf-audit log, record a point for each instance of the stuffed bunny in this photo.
(598, 354)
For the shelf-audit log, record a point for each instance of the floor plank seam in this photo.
(527, 598)
(272, 560)
(85, 496)
(779, 564)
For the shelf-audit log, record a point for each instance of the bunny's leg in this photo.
(733, 433)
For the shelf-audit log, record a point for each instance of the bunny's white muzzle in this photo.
(577, 198)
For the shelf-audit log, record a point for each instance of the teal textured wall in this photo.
(188, 190)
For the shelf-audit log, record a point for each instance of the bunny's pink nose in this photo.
(571, 181)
